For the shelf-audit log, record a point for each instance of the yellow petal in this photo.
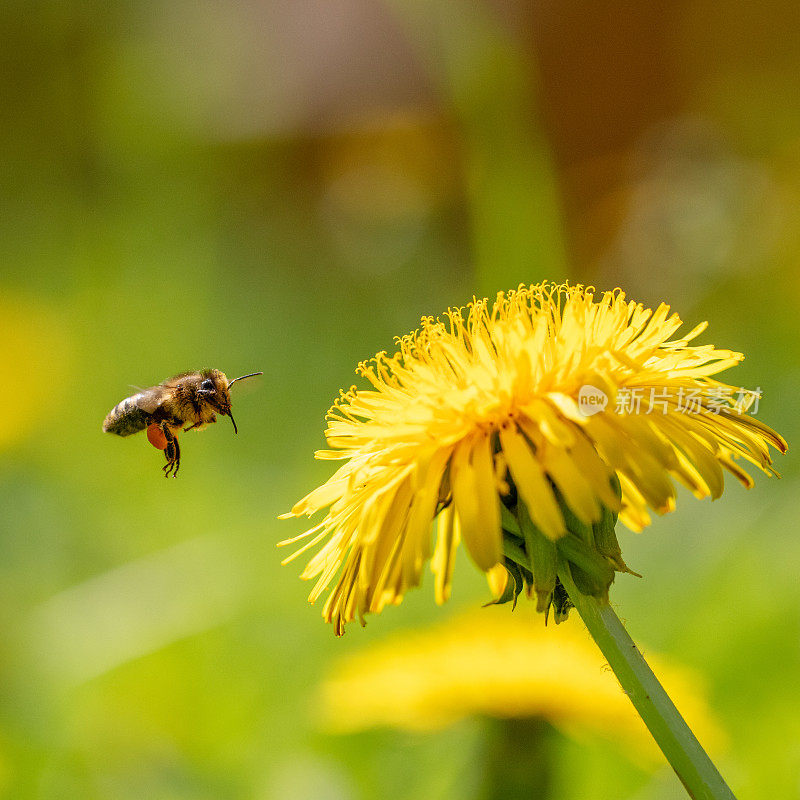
(497, 578)
(444, 556)
(476, 500)
(531, 483)
(574, 488)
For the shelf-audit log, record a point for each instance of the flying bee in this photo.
(192, 399)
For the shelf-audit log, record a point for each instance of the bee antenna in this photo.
(235, 429)
(241, 378)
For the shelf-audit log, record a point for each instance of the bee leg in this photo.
(172, 452)
(199, 424)
(173, 455)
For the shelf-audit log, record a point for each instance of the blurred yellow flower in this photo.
(535, 398)
(500, 666)
(35, 351)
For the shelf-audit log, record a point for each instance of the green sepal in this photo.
(514, 553)
(593, 574)
(605, 540)
(617, 488)
(573, 524)
(509, 522)
(587, 584)
(591, 552)
(543, 558)
(514, 585)
(560, 603)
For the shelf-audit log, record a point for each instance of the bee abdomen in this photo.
(125, 418)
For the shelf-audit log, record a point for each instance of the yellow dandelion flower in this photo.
(526, 425)
(418, 681)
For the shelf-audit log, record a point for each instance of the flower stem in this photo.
(680, 746)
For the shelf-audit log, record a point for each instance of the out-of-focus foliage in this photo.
(285, 187)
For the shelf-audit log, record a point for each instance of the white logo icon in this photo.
(591, 400)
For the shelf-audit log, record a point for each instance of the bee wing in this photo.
(150, 399)
(132, 414)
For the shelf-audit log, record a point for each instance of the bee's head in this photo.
(213, 388)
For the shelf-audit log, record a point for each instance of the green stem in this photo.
(680, 746)
(520, 757)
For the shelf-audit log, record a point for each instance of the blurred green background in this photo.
(286, 186)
